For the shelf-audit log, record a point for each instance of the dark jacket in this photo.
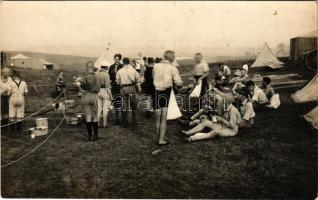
(112, 72)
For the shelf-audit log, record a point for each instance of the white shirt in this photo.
(164, 75)
(127, 75)
(259, 96)
(18, 87)
(201, 68)
(226, 70)
(5, 85)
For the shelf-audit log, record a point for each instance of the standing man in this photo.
(201, 72)
(91, 87)
(115, 88)
(165, 75)
(60, 84)
(5, 89)
(104, 95)
(128, 79)
(17, 103)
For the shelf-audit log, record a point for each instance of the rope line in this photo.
(35, 113)
(46, 139)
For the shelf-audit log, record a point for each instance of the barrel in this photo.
(42, 123)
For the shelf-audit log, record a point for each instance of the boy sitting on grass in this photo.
(225, 125)
(267, 87)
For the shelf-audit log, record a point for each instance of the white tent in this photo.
(312, 117)
(107, 54)
(267, 58)
(20, 56)
(307, 93)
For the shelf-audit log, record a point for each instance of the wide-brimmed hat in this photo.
(104, 63)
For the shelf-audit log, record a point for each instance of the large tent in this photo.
(307, 93)
(301, 44)
(312, 117)
(20, 60)
(267, 58)
(107, 54)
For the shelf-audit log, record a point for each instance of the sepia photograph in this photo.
(159, 99)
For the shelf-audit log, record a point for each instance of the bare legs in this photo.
(161, 124)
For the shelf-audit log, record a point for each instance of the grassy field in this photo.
(275, 159)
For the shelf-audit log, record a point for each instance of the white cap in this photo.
(245, 66)
(105, 63)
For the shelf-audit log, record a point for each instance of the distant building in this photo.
(20, 60)
(23, 61)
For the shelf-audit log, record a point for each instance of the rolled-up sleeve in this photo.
(176, 77)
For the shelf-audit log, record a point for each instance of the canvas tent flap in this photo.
(312, 117)
(307, 93)
(273, 65)
(107, 54)
(267, 57)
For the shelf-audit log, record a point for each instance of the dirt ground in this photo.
(277, 158)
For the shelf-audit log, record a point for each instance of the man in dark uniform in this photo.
(115, 88)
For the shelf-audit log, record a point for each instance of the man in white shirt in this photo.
(201, 72)
(17, 103)
(259, 98)
(5, 89)
(165, 75)
(128, 79)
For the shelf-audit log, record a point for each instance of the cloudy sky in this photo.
(215, 28)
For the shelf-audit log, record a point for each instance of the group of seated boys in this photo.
(229, 105)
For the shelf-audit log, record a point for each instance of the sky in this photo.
(214, 28)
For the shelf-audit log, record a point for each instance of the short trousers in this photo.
(161, 98)
(16, 111)
(221, 130)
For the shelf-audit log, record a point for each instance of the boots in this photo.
(13, 130)
(95, 127)
(18, 129)
(117, 112)
(89, 130)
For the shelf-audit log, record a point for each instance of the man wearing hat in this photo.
(225, 125)
(104, 96)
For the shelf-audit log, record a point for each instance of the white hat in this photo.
(105, 63)
(245, 66)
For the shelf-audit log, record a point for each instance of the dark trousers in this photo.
(130, 103)
(205, 84)
(115, 89)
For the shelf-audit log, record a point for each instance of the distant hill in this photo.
(58, 60)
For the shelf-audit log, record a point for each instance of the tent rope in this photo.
(46, 139)
(36, 112)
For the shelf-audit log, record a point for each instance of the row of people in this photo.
(121, 85)
(13, 90)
